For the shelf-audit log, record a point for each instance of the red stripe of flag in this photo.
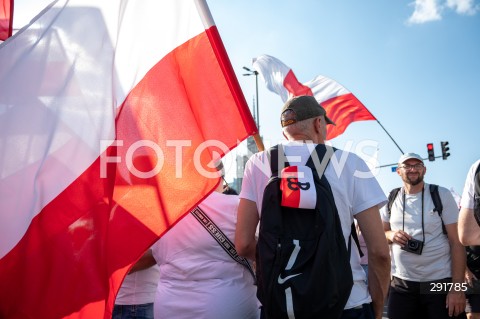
(294, 86)
(343, 110)
(6, 19)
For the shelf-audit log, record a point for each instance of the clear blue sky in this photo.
(414, 65)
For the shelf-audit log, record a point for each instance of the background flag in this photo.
(341, 105)
(110, 112)
(6, 16)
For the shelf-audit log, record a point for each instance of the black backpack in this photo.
(473, 259)
(437, 202)
(319, 281)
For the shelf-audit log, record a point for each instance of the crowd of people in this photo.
(414, 250)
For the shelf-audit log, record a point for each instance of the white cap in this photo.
(408, 156)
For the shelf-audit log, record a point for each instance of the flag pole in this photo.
(259, 142)
(256, 116)
(390, 136)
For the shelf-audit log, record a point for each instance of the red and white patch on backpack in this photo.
(298, 187)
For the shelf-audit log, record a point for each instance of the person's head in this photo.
(219, 166)
(221, 172)
(223, 187)
(411, 169)
(303, 118)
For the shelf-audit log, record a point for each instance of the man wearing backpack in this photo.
(428, 261)
(345, 191)
(469, 219)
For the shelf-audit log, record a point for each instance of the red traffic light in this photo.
(431, 152)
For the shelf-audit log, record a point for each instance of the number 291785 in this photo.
(445, 287)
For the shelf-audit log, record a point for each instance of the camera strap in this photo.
(403, 212)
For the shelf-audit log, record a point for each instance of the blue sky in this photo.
(414, 65)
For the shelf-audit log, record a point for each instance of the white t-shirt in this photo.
(354, 188)
(139, 288)
(198, 279)
(434, 263)
(469, 188)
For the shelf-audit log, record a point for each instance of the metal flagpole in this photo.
(256, 115)
(390, 136)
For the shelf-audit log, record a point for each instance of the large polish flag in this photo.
(111, 113)
(6, 15)
(341, 105)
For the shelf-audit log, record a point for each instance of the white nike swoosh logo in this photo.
(283, 280)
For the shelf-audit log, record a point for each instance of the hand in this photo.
(455, 303)
(469, 277)
(400, 237)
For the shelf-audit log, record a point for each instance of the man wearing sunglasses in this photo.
(428, 260)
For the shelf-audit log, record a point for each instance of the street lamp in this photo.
(255, 105)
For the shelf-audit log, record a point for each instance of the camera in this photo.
(414, 246)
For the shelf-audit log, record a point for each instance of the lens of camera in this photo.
(413, 245)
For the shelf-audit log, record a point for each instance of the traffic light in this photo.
(445, 150)
(431, 152)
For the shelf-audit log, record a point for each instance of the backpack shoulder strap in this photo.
(391, 198)
(476, 195)
(437, 203)
(353, 232)
(477, 182)
(323, 155)
(273, 154)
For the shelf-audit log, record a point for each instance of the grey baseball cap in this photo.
(300, 108)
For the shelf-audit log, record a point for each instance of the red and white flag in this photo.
(341, 105)
(110, 113)
(6, 15)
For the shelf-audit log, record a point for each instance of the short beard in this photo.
(415, 182)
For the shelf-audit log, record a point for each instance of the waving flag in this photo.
(6, 15)
(341, 105)
(108, 122)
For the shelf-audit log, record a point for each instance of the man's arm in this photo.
(247, 221)
(456, 298)
(378, 257)
(389, 234)
(468, 229)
